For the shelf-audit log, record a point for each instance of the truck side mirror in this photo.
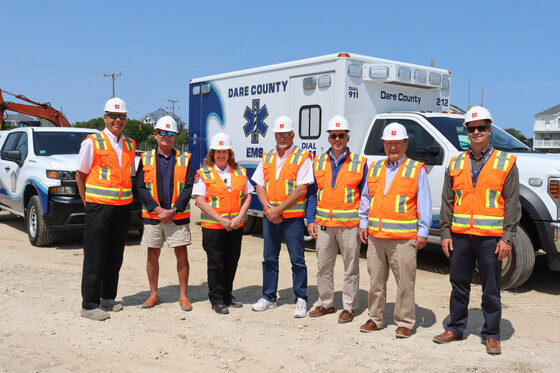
(12, 155)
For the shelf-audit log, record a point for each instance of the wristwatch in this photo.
(509, 242)
(174, 209)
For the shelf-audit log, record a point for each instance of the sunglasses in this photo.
(282, 134)
(340, 136)
(480, 129)
(116, 116)
(166, 133)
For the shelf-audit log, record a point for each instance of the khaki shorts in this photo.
(175, 235)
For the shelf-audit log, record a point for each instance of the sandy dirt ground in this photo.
(41, 329)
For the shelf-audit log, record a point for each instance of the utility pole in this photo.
(113, 76)
(482, 97)
(172, 101)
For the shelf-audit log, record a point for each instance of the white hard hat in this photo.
(394, 131)
(477, 113)
(283, 124)
(115, 105)
(338, 122)
(220, 141)
(166, 123)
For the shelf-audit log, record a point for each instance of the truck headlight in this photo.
(61, 175)
(62, 190)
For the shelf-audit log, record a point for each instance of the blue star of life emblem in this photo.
(255, 117)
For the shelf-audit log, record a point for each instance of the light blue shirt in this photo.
(423, 198)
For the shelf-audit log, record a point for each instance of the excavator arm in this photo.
(37, 109)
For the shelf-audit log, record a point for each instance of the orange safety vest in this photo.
(179, 176)
(108, 183)
(277, 191)
(394, 215)
(338, 207)
(226, 203)
(479, 210)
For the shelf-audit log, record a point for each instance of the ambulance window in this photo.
(310, 122)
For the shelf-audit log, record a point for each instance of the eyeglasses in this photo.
(282, 134)
(480, 129)
(340, 136)
(116, 116)
(166, 133)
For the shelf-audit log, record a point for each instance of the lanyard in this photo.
(474, 175)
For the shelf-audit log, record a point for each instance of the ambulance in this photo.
(370, 93)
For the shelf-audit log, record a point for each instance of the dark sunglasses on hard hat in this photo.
(115, 116)
(479, 128)
(166, 133)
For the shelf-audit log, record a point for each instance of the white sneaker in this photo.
(301, 308)
(263, 304)
(110, 305)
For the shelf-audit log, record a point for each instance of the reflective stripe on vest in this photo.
(338, 205)
(226, 203)
(179, 174)
(394, 214)
(279, 190)
(479, 210)
(108, 182)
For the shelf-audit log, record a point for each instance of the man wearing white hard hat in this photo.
(105, 167)
(282, 178)
(223, 194)
(480, 212)
(395, 218)
(332, 219)
(165, 181)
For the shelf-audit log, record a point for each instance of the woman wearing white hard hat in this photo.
(223, 193)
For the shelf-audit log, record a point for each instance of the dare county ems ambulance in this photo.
(370, 93)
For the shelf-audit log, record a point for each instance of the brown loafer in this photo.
(369, 326)
(150, 302)
(446, 337)
(403, 332)
(321, 311)
(346, 316)
(493, 346)
(185, 304)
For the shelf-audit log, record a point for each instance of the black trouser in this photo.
(106, 227)
(223, 249)
(466, 250)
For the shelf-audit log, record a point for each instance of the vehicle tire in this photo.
(249, 224)
(37, 231)
(516, 269)
(258, 227)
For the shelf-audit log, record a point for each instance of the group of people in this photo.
(386, 206)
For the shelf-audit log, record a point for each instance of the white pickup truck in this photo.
(37, 180)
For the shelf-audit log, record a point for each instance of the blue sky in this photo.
(58, 51)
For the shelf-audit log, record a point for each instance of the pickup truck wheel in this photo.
(516, 269)
(37, 230)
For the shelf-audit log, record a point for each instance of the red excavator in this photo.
(41, 110)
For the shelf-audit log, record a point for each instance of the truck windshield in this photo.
(55, 143)
(453, 129)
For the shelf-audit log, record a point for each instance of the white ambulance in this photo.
(370, 93)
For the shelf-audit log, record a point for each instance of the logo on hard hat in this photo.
(117, 106)
(221, 143)
(168, 125)
(393, 133)
(337, 124)
(474, 114)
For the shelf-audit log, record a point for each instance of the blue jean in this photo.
(292, 230)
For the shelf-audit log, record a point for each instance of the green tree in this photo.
(182, 139)
(97, 123)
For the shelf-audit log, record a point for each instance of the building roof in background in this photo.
(552, 111)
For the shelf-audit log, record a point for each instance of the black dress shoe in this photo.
(220, 308)
(234, 303)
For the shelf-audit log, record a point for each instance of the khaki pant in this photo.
(328, 243)
(400, 256)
